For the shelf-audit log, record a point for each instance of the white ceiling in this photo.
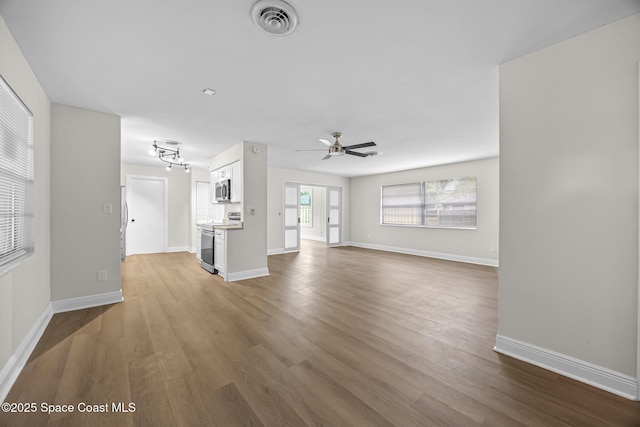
(418, 77)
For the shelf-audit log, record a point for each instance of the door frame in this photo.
(327, 206)
(638, 297)
(165, 208)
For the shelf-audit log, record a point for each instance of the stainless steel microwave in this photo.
(223, 190)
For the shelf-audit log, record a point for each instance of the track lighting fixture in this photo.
(169, 155)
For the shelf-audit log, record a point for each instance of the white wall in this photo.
(463, 245)
(25, 291)
(85, 175)
(228, 156)
(276, 178)
(179, 194)
(247, 248)
(569, 197)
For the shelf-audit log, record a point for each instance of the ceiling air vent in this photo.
(274, 16)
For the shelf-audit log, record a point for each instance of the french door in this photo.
(334, 216)
(291, 217)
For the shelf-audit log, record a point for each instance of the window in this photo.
(306, 215)
(402, 204)
(16, 179)
(447, 203)
(450, 203)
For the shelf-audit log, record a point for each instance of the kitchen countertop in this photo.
(221, 226)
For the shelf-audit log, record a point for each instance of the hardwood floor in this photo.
(335, 337)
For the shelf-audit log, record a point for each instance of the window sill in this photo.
(438, 227)
(11, 265)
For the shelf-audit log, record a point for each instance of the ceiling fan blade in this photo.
(325, 142)
(355, 153)
(364, 144)
(328, 156)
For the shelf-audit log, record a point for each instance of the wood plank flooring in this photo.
(333, 337)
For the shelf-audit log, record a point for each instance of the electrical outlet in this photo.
(492, 249)
(107, 208)
(102, 275)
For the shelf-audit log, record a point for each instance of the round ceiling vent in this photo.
(274, 16)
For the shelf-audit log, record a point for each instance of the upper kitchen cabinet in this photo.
(236, 182)
(224, 173)
(213, 178)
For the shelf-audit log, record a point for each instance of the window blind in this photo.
(16, 178)
(451, 203)
(402, 204)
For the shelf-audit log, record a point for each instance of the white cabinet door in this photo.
(219, 253)
(224, 173)
(213, 178)
(236, 183)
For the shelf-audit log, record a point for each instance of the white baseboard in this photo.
(79, 303)
(316, 238)
(179, 249)
(248, 274)
(10, 371)
(276, 251)
(438, 255)
(588, 373)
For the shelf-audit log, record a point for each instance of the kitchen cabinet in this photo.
(236, 183)
(224, 173)
(220, 252)
(213, 178)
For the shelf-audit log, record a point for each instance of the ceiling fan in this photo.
(337, 149)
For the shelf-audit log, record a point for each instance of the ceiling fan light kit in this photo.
(337, 149)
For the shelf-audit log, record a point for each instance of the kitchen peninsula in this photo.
(239, 228)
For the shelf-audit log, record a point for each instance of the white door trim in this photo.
(638, 301)
(165, 210)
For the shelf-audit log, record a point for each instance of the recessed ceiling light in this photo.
(209, 92)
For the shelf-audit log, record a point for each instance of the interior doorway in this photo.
(312, 212)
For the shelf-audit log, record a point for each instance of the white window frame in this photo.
(17, 184)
